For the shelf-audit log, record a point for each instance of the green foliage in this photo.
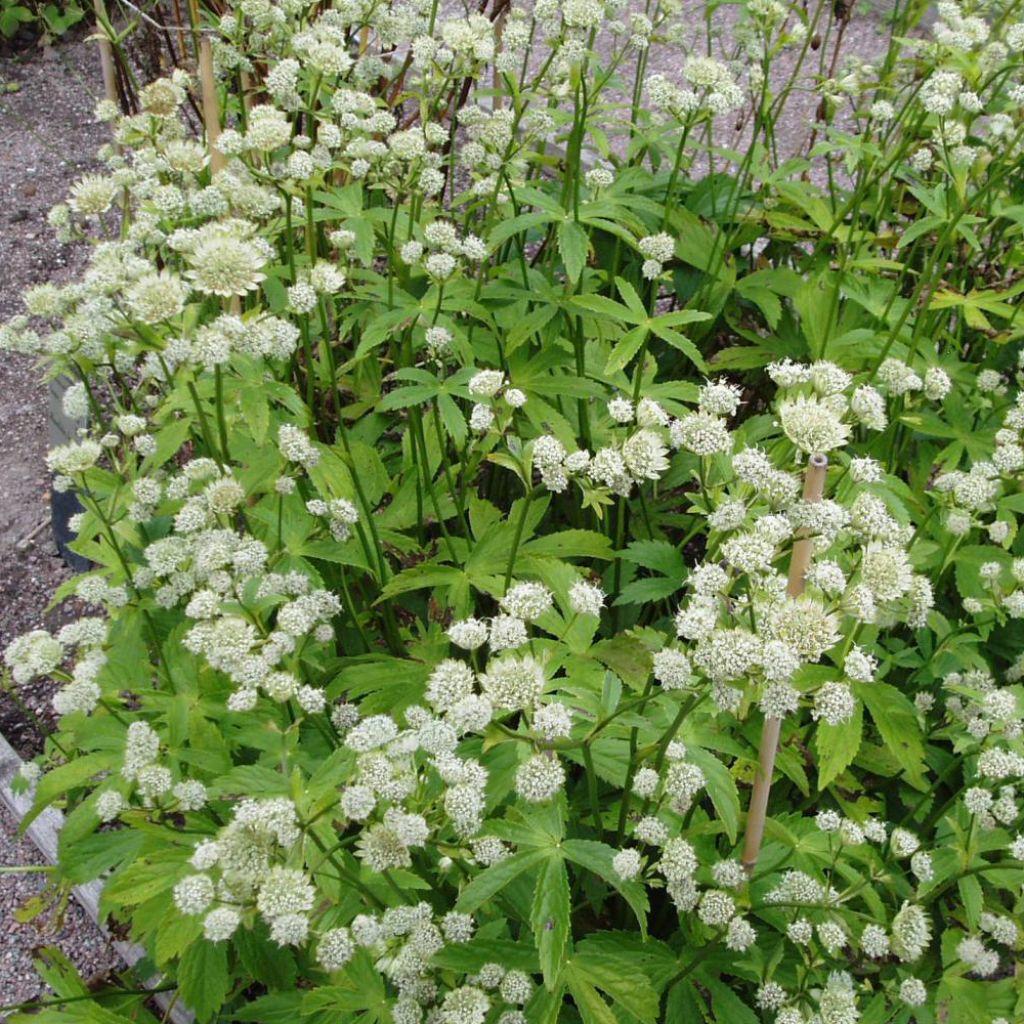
(444, 588)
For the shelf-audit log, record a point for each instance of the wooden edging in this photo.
(43, 832)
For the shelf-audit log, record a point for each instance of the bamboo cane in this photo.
(800, 559)
(106, 54)
(211, 105)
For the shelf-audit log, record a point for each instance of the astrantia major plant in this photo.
(552, 561)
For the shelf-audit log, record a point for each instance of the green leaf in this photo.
(203, 978)
(728, 1006)
(550, 917)
(597, 857)
(267, 962)
(650, 588)
(681, 342)
(546, 1006)
(622, 976)
(507, 228)
(141, 880)
(469, 957)
(627, 656)
(721, 787)
(493, 879)
(276, 1008)
(604, 308)
(659, 555)
(627, 347)
(896, 720)
(593, 1009)
(837, 747)
(420, 577)
(631, 299)
(59, 781)
(972, 897)
(570, 544)
(572, 247)
(256, 411)
(169, 439)
(250, 778)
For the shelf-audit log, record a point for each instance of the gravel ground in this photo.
(50, 138)
(72, 932)
(40, 155)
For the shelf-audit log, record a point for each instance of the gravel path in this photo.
(49, 138)
(71, 930)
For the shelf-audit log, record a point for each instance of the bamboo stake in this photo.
(106, 54)
(211, 105)
(800, 559)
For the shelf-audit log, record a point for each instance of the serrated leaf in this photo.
(680, 342)
(837, 747)
(603, 308)
(728, 1006)
(622, 978)
(597, 857)
(650, 588)
(469, 957)
(570, 544)
(493, 879)
(659, 555)
(203, 978)
(550, 916)
(721, 787)
(626, 348)
(275, 1008)
(972, 897)
(896, 721)
(572, 247)
(59, 781)
(593, 1009)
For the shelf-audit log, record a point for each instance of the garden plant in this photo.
(555, 544)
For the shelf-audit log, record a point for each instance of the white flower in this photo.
(626, 864)
(621, 410)
(486, 383)
(586, 598)
(812, 425)
(539, 778)
(468, 634)
(527, 600)
(553, 721)
(221, 924)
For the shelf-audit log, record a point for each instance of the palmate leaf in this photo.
(624, 970)
(633, 312)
